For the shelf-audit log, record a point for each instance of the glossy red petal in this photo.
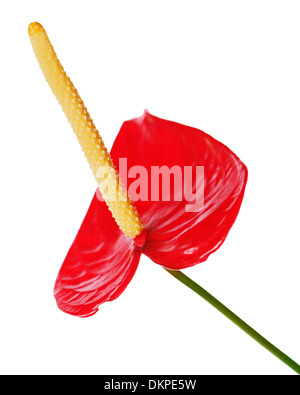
(177, 239)
(99, 265)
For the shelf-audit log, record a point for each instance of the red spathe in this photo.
(102, 261)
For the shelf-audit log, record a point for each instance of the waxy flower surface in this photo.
(102, 260)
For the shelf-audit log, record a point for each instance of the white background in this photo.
(230, 68)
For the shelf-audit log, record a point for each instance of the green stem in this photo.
(234, 318)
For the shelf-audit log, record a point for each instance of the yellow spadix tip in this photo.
(35, 27)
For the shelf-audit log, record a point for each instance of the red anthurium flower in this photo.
(102, 260)
(176, 230)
